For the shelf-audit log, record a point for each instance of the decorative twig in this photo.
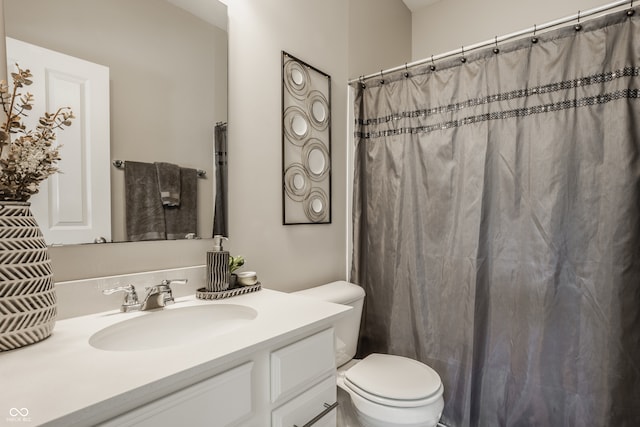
(32, 157)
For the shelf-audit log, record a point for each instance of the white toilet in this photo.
(385, 390)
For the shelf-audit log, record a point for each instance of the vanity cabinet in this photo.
(291, 385)
(222, 400)
(278, 369)
(303, 382)
(309, 408)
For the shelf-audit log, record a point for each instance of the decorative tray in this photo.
(233, 291)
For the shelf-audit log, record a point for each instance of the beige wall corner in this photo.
(450, 24)
(379, 35)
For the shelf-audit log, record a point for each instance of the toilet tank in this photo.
(346, 328)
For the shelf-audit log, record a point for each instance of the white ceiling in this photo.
(215, 12)
(414, 5)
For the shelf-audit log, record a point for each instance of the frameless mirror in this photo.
(317, 205)
(317, 161)
(299, 125)
(298, 181)
(168, 78)
(318, 111)
(297, 77)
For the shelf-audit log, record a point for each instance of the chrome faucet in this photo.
(158, 296)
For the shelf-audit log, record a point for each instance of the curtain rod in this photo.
(499, 39)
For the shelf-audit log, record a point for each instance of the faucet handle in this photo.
(176, 281)
(131, 301)
(165, 289)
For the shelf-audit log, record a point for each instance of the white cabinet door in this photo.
(316, 407)
(73, 206)
(301, 363)
(220, 401)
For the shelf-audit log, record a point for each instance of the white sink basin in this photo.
(172, 326)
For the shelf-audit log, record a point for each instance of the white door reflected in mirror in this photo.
(299, 125)
(316, 161)
(298, 181)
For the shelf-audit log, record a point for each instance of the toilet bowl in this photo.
(385, 390)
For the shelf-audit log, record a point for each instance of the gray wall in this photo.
(450, 24)
(379, 35)
(295, 256)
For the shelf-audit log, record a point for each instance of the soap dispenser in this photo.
(218, 266)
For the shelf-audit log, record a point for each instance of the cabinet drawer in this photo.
(221, 400)
(317, 403)
(301, 363)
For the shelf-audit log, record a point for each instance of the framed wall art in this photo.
(306, 143)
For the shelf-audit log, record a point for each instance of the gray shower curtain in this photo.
(497, 226)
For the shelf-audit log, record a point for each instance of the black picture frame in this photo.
(306, 143)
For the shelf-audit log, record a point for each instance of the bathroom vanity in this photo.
(273, 367)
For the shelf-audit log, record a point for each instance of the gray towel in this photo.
(144, 212)
(169, 183)
(183, 219)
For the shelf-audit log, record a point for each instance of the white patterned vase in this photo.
(27, 294)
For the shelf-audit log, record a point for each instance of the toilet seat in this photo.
(394, 402)
(394, 381)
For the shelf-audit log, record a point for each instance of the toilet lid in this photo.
(395, 378)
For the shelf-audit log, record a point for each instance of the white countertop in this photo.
(63, 381)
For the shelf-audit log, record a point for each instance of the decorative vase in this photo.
(27, 294)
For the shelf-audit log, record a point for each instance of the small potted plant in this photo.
(235, 262)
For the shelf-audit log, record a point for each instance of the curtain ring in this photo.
(362, 85)
(495, 49)
(433, 64)
(463, 59)
(406, 71)
(630, 12)
(381, 78)
(534, 39)
(578, 27)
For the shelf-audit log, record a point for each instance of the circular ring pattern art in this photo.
(318, 108)
(316, 205)
(297, 183)
(296, 79)
(296, 125)
(315, 158)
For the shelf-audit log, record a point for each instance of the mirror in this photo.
(168, 78)
(299, 125)
(318, 111)
(316, 205)
(297, 77)
(316, 161)
(298, 181)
